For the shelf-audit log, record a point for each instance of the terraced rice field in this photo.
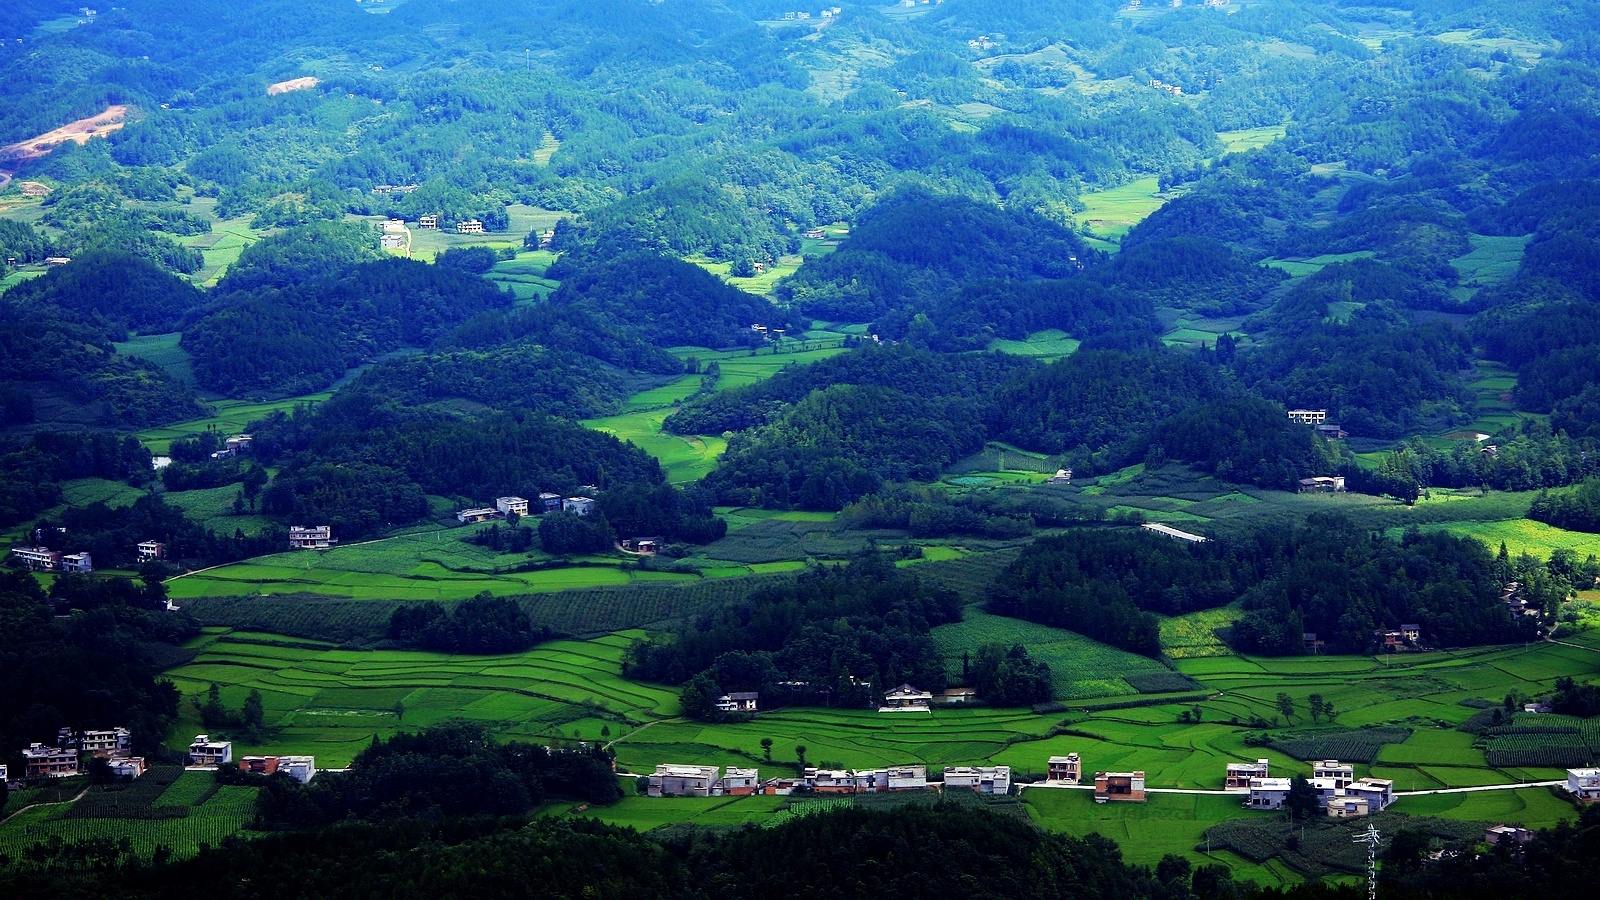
(422, 578)
(328, 702)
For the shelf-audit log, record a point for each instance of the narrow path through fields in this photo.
(52, 803)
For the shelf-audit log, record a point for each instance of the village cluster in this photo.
(579, 505)
(72, 751)
(828, 13)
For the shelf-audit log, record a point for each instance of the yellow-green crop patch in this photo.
(1048, 345)
(1194, 635)
(1525, 536)
(1113, 213)
(692, 457)
(163, 351)
(1251, 138)
(1079, 666)
(245, 579)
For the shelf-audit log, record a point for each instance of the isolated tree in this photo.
(1195, 711)
(1174, 871)
(213, 713)
(800, 754)
(254, 711)
(1285, 706)
(699, 696)
(1302, 799)
(1314, 706)
(400, 710)
(766, 748)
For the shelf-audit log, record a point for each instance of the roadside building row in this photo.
(205, 753)
(673, 780)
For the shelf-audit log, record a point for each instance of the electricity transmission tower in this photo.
(1371, 838)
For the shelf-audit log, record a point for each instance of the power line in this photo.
(1371, 838)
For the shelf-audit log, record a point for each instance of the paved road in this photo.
(1486, 787)
(1398, 794)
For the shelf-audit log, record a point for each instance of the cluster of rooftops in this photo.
(66, 757)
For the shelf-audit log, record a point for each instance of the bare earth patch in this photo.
(293, 84)
(79, 132)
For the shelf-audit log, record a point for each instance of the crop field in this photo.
(227, 417)
(691, 458)
(1195, 635)
(1524, 536)
(84, 491)
(684, 458)
(745, 367)
(1492, 260)
(1048, 345)
(1250, 138)
(645, 813)
(525, 275)
(1299, 268)
(1079, 666)
(161, 809)
(1112, 214)
(303, 572)
(163, 351)
(764, 282)
(588, 611)
(1166, 823)
(213, 508)
(220, 248)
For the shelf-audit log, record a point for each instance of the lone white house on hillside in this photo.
(311, 537)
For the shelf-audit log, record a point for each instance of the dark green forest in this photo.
(840, 637)
(1326, 577)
